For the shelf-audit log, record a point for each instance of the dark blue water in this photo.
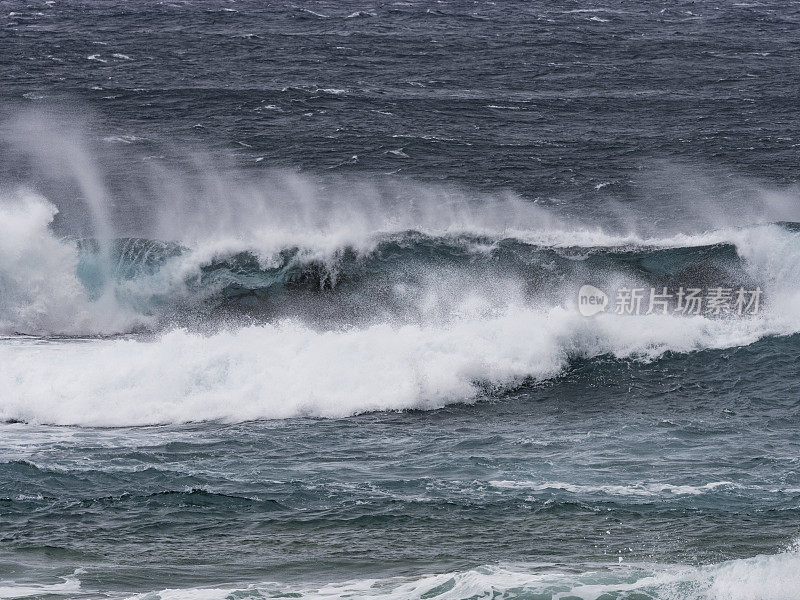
(289, 300)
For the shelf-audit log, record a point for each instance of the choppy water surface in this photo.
(288, 300)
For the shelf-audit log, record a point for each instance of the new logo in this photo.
(591, 300)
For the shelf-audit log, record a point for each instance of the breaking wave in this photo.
(206, 296)
(408, 320)
(67, 285)
(764, 577)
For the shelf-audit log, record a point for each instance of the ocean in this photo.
(405, 300)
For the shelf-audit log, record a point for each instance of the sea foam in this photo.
(288, 369)
(764, 577)
(464, 339)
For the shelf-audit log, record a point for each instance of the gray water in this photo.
(288, 300)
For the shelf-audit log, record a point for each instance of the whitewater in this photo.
(454, 317)
(293, 300)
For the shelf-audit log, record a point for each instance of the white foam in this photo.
(766, 577)
(774, 577)
(465, 335)
(316, 14)
(39, 288)
(11, 590)
(288, 369)
(637, 489)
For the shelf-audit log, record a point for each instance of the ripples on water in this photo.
(288, 300)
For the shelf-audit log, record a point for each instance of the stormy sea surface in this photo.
(289, 300)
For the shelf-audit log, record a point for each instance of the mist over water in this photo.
(386, 293)
(289, 301)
